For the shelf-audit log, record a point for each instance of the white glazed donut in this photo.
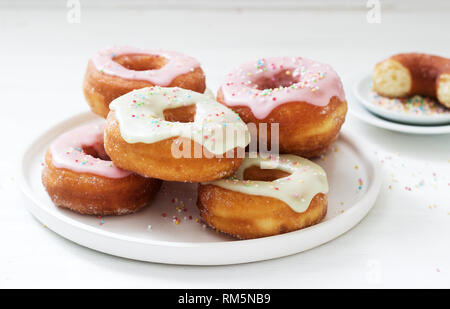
(266, 197)
(158, 131)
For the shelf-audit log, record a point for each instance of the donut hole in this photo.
(258, 174)
(181, 114)
(283, 79)
(97, 151)
(138, 62)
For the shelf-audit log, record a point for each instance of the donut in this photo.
(115, 71)
(174, 134)
(305, 98)
(266, 197)
(78, 175)
(409, 74)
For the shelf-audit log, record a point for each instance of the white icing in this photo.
(140, 114)
(306, 179)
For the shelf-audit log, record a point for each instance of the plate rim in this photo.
(369, 198)
(379, 122)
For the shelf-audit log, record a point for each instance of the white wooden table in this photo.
(403, 242)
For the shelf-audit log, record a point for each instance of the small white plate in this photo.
(362, 91)
(361, 107)
(153, 235)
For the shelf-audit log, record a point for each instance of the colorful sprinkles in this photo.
(179, 209)
(101, 220)
(416, 105)
(360, 184)
(269, 82)
(297, 77)
(144, 109)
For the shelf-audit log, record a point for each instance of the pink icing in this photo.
(176, 65)
(67, 152)
(267, 83)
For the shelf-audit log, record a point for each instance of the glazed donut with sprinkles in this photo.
(262, 200)
(304, 97)
(78, 175)
(144, 126)
(116, 71)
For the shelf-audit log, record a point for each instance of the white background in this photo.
(403, 242)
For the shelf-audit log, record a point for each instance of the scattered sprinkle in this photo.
(416, 105)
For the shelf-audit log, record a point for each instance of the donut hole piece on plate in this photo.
(392, 79)
(283, 79)
(141, 62)
(443, 90)
(182, 114)
(259, 174)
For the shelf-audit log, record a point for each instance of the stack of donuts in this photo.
(163, 125)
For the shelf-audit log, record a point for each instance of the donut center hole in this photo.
(181, 114)
(258, 174)
(138, 62)
(284, 78)
(97, 151)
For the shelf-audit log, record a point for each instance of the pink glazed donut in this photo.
(116, 71)
(304, 97)
(78, 175)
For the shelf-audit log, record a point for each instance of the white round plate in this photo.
(357, 99)
(154, 235)
(362, 92)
